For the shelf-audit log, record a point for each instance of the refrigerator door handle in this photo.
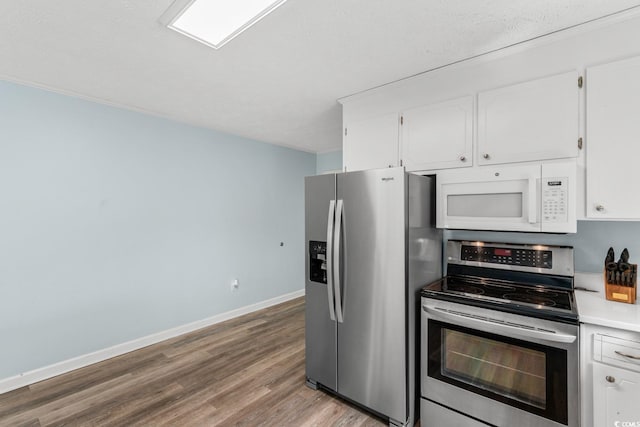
(329, 255)
(336, 260)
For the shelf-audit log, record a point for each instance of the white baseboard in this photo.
(31, 377)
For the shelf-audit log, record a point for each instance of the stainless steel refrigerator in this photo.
(371, 245)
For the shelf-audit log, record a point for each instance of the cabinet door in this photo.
(371, 143)
(535, 120)
(438, 136)
(615, 395)
(613, 129)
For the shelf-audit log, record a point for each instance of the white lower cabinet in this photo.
(610, 377)
(616, 396)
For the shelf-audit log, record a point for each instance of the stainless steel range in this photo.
(500, 338)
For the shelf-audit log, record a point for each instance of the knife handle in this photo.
(624, 256)
(611, 257)
(611, 266)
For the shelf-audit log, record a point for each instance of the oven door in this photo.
(500, 368)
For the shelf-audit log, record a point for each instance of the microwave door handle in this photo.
(533, 200)
(336, 260)
(487, 325)
(330, 227)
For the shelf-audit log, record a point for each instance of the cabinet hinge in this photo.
(580, 82)
(401, 120)
(579, 143)
(345, 131)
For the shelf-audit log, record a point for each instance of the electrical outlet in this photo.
(235, 284)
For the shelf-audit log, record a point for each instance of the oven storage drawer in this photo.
(435, 415)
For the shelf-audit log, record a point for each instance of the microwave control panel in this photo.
(509, 256)
(554, 199)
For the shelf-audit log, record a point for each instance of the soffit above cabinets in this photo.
(279, 80)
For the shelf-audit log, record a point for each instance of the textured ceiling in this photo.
(278, 81)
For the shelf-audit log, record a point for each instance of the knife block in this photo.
(623, 293)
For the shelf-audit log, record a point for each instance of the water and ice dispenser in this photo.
(318, 261)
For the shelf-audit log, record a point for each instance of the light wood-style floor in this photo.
(248, 371)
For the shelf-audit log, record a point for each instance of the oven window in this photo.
(522, 374)
(488, 205)
(505, 369)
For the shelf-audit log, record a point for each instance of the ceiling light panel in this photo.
(216, 22)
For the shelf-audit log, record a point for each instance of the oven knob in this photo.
(610, 379)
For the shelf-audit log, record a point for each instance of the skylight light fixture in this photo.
(216, 22)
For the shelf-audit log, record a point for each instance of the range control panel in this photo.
(509, 256)
(531, 258)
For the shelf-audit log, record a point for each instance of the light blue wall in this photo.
(330, 161)
(115, 225)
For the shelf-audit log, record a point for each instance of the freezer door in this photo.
(372, 365)
(320, 329)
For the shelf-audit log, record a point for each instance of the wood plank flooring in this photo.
(248, 371)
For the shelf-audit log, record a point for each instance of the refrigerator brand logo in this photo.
(626, 423)
(387, 179)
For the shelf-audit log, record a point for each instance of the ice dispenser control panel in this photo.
(318, 261)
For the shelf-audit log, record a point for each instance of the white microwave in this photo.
(537, 197)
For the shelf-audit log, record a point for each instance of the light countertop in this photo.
(595, 309)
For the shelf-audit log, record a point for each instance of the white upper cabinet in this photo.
(438, 136)
(371, 143)
(613, 139)
(534, 120)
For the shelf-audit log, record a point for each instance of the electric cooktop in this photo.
(522, 279)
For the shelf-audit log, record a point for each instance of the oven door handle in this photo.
(489, 325)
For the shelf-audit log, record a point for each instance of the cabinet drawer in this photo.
(615, 351)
